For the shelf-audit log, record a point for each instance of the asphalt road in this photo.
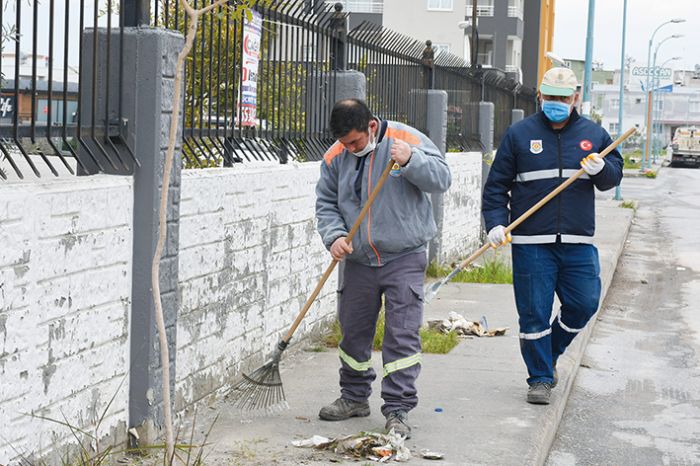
(636, 398)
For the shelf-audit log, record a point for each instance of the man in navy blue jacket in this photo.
(553, 250)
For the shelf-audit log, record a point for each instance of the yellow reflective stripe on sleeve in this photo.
(356, 365)
(402, 363)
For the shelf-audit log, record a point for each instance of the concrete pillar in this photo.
(486, 124)
(516, 115)
(436, 127)
(147, 91)
(348, 85)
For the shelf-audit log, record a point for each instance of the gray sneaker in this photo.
(539, 393)
(342, 409)
(398, 421)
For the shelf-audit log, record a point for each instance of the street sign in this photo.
(7, 107)
(653, 71)
(668, 88)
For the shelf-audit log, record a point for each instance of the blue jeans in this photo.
(540, 270)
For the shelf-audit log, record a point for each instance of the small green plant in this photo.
(650, 174)
(493, 270)
(628, 205)
(432, 341)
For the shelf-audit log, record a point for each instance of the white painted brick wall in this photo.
(462, 207)
(65, 287)
(249, 258)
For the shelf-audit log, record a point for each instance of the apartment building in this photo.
(508, 30)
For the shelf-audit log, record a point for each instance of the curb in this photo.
(568, 367)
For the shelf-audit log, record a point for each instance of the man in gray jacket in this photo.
(387, 256)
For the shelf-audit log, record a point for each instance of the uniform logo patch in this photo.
(536, 146)
(395, 170)
(585, 145)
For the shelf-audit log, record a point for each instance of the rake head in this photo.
(262, 391)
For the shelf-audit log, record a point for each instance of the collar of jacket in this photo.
(572, 119)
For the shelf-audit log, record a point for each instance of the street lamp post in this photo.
(618, 190)
(659, 112)
(646, 118)
(651, 96)
(586, 103)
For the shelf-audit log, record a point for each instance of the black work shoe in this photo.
(539, 393)
(555, 375)
(398, 421)
(342, 409)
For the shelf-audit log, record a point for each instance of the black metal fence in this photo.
(41, 130)
(302, 45)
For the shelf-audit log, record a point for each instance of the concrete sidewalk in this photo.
(472, 400)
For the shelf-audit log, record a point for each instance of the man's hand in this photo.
(400, 152)
(339, 248)
(593, 164)
(498, 237)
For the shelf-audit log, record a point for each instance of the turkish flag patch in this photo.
(585, 145)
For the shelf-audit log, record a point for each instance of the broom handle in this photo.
(334, 262)
(546, 199)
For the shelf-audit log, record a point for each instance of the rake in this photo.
(432, 289)
(262, 390)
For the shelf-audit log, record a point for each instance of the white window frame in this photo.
(440, 7)
(615, 103)
(441, 48)
(613, 128)
(694, 105)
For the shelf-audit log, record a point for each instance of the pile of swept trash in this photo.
(373, 446)
(457, 323)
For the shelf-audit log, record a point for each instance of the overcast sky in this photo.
(643, 16)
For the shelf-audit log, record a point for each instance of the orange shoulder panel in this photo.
(335, 150)
(403, 135)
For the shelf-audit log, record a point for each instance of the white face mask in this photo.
(371, 145)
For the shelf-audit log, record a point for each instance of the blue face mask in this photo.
(555, 111)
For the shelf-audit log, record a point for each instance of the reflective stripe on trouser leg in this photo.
(402, 282)
(578, 289)
(360, 301)
(534, 281)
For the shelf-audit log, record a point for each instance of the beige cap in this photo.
(559, 81)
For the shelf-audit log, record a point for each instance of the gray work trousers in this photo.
(401, 283)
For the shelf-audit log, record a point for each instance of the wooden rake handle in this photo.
(334, 262)
(547, 198)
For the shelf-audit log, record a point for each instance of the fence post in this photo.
(339, 41)
(516, 115)
(486, 115)
(146, 93)
(137, 13)
(428, 59)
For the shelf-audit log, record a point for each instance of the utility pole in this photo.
(475, 45)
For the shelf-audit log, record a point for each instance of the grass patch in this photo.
(493, 270)
(633, 160)
(650, 174)
(432, 341)
(435, 342)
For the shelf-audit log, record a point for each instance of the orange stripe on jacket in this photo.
(403, 135)
(336, 149)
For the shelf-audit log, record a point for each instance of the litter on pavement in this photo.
(457, 323)
(373, 446)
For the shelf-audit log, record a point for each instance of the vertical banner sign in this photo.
(247, 100)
